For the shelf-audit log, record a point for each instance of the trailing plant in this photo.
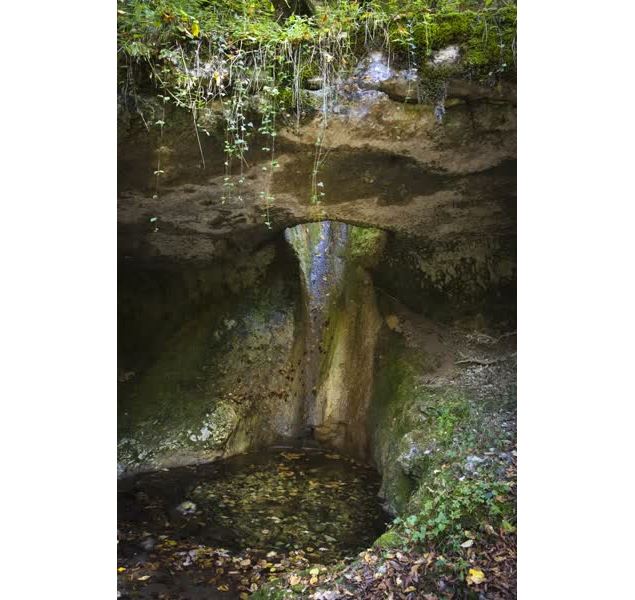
(456, 509)
(253, 57)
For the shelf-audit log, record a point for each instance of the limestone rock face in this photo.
(215, 370)
(412, 460)
(217, 426)
(503, 92)
(345, 391)
(212, 312)
(379, 154)
(402, 87)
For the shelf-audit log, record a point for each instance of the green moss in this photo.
(449, 28)
(414, 426)
(334, 332)
(285, 99)
(486, 40)
(149, 32)
(447, 412)
(390, 421)
(444, 427)
(366, 245)
(309, 70)
(490, 48)
(397, 487)
(390, 539)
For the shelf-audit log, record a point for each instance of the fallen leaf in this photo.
(294, 580)
(467, 544)
(143, 578)
(475, 576)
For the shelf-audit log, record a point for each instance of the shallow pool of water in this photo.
(259, 513)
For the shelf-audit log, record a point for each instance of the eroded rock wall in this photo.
(215, 373)
(382, 163)
(444, 398)
(215, 318)
(346, 380)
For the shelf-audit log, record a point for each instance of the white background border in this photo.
(58, 245)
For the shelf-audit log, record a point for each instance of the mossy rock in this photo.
(390, 539)
(367, 245)
(414, 459)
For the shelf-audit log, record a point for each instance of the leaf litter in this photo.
(250, 520)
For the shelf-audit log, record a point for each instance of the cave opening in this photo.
(316, 296)
(246, 428)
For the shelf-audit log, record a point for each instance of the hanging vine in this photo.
(254, 56)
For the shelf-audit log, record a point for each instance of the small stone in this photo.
(186, 508)
(148, 544)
